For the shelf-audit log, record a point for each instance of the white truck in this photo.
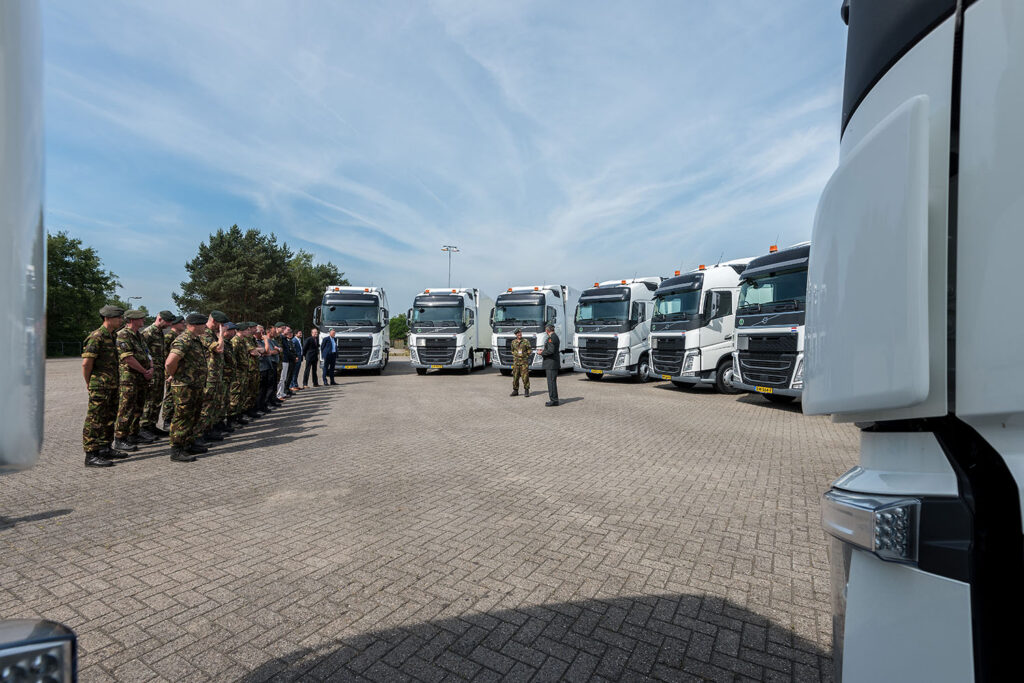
(361, 320)
(769, 353)
(613, 324)
(530, 308)
(448, 329)
(693, 325)
(912, 336)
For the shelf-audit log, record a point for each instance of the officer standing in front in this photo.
(551, 363)
(100, 371)
(521, 357)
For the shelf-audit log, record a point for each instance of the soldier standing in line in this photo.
(136, 371)
(240, 377)
(186, 371)
(521, 357)
(223, 411)
(176, 327)
(100, 371)
(552, 363)
(213, 345)
(153, 337)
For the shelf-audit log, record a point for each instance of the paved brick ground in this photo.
(430, 528)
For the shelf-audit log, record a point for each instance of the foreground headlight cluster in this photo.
(36, 650)
(798, 374)
(375, 356)
(413, 356)
(622, 360)
(459, 353)
(576, 358)
(689, 363)
(884, 525)
(736, 376)
(421, 341)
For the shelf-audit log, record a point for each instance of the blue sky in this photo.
(551, 141)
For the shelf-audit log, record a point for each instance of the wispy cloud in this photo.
(551, 141)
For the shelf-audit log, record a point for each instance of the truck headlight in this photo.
(375, 356)
(458, 353)
(798, 374)
(35, 649)
(689, 362)
(884, 525)
(576, 358)
(622, 360)
(736, 368)
(413, 356)
(421, 341)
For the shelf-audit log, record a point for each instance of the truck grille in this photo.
(353, 350)
(767, 369)
(505, 351)
(436, 351)
(597, 353)
(771, 343)
(667, 358)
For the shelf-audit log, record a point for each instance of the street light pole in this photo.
(450, 248)
(133, 297)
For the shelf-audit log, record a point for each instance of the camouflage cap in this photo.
(135, 315)
(167, 315)
(218, 317)
(195, 319)
(112, 311)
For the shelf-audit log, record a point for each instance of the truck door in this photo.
(716, 335)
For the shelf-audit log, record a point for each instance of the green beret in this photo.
(177, 319)
(280, 324)
(135, 315)
(167, 316)
(218, 317)
(242, 326)
(517, 331)
(195, 318)
(112, 311)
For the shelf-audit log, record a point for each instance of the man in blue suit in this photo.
(329, 352)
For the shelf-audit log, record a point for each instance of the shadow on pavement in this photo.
(671, 637)
(761, 402)
(11, 522)
(573, 399)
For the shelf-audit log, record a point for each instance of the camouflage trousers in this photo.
(129, 406)
(252, 391)
(98, 430)
(236, 393)
(167, 407)
(225, 395)
(188, 402)
(210, 412)
(154, 399)
(520, 370)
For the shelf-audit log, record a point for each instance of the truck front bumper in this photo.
(615, 372)
(766, 390)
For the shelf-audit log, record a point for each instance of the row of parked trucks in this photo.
(737, 326)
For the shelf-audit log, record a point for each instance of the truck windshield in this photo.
(602, 312)
(519, 313)
(776, 291)
(336, 314)
(681, 305)
(437, 316)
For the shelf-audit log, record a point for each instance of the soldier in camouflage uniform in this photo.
(170, 334)
(186, 370)
(223, 409)
(255, 349)
(136, 369)
(153, 337)
(521, 352)
(240, 379)
(213, 346)
(99, 369)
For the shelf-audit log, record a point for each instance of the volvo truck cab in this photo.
(917, 242)
(613, 322)
(530, 309)
(360, 319)
(693, 326)
(769, 352)
(448, 329)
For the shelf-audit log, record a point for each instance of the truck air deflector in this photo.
(871, 264)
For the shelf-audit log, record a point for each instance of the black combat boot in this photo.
(94, 459)
(144, 436)
(212, 435)
(527, 393)
(195, 449)
(201, 442)
(124, 445)
(240, 420)
(253, 413)
(225, 426)
(110, 454)
(179, 454)
(514, 393)
(153, 429)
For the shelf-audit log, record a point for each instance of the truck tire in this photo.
(720, 383)
(778, 398)
(642, 370)
(507, 373)
(421, 371)
(470, 363)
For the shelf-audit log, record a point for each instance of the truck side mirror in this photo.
(716, 299)
(316, 315)
(408, 315)
(492, 318)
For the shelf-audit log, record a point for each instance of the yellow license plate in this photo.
(597, 372)
(666, 376)
(764, 390)
(437, 366)
(351, 367)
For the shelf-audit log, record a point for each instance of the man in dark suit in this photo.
(551, 363)
(311, 352)
(329, 352)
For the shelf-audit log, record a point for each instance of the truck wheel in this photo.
(596, 378)
(642, 368)
(421, 371)
(507, 373)
(470, 363)
(778, 398)
(720, 383)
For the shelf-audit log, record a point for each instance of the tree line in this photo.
(247, 274)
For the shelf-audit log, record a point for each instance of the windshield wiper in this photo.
(793, 303)
(423, 323)
(754, 307)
